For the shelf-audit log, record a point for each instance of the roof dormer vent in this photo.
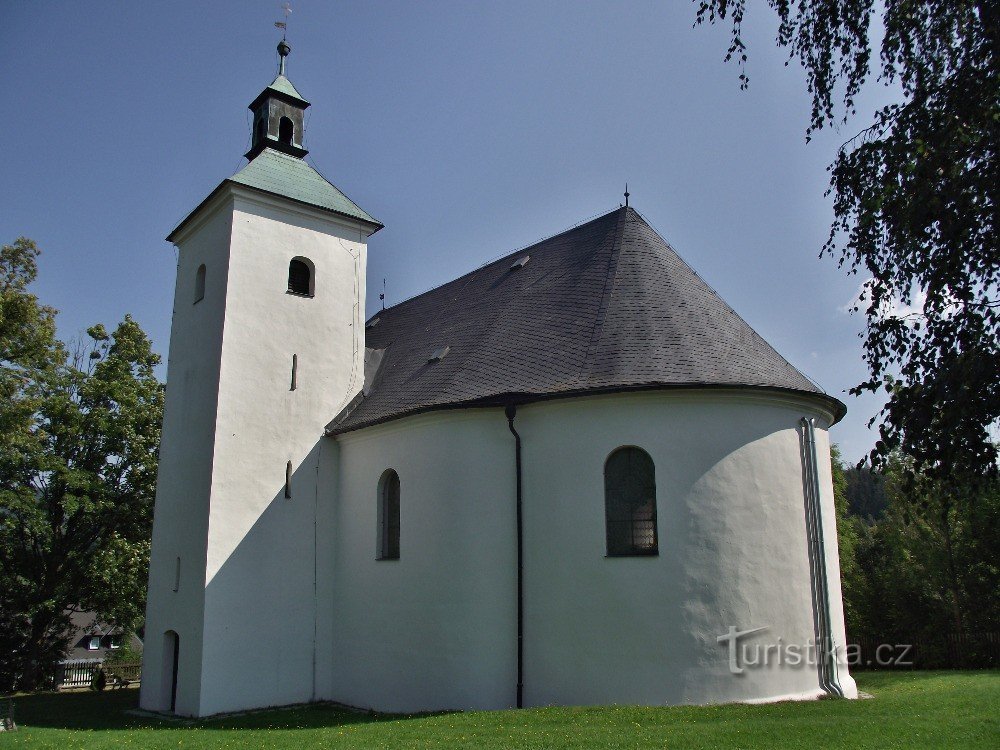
(373, 322)
(520, 263)
(439, 354)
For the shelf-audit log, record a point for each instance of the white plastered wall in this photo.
(829, 515)
(180, 521)
(247, 605)
(732, 549)
(436, 629)
(260, 592)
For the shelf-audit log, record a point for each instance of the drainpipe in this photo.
(511, 412)
(829, 680)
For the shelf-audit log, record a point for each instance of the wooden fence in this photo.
(950, 651)
(75, 672)
(80, 672)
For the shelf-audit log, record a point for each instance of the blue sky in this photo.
(469, 129)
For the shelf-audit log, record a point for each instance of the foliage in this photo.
(124, 654)
(27, 329)
(99, 681)
(915, 205)
(865, 492)
(77, 472)
(927, 566)
(923, 709)
(847, 537)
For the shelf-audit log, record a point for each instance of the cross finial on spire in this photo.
(627, 194)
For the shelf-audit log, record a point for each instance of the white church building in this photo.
(572, 476)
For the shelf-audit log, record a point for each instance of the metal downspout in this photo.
(511, 412)
(829, 679)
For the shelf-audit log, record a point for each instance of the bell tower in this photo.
(266, 347)
(278, 114)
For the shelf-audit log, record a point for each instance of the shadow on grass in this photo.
(111, 710)
(919, 696)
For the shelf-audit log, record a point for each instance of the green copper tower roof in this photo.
(283, 86)
(276, 166)
(290, 177)
(287, 176)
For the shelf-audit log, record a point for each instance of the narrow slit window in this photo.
(295, 372)
(199, 284)
(288, 480)
(388, 547)
(300, 277)
(630, 503)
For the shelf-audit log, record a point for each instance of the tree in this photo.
(847, 541)
(926, 566)
(77, 474)
(916, 210)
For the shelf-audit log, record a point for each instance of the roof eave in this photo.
(836, 407)
(178, 230)
(374, 224)
(280, 95)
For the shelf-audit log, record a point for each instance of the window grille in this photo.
(630, 503)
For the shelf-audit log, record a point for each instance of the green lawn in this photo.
(913, 709)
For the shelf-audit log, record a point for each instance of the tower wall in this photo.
(260, 594)
(180, 520)
(245, 612)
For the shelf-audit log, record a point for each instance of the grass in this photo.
(912, 709)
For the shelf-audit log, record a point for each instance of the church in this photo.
(573, 476)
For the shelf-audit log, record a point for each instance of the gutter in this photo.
(828, 677)
(511, 412)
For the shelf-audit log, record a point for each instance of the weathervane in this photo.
(283, 25)
(283, 46)
(627, 194)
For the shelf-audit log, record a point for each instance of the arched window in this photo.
(630, 503)
(388, 516)
(300, 277)
(285, 131)
(199, 284)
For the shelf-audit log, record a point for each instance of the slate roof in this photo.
(291, 177)
(606, 306)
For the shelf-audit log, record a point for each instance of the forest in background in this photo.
(916, 563)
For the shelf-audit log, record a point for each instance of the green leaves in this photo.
(926, 564)
(916, 210)
(78, 464)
